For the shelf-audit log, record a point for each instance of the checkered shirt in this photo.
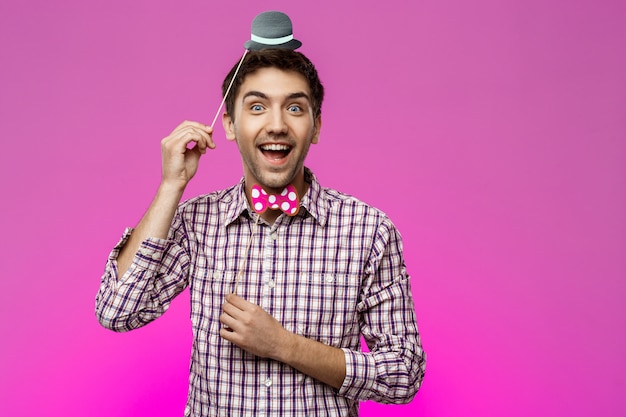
(333, 273)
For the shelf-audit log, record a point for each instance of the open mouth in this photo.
(275, 151)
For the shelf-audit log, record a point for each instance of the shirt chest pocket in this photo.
(325, 308)
(209, 288)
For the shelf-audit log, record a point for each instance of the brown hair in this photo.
(283, 59)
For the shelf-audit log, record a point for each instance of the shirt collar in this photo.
(312, 202)
(237, 204)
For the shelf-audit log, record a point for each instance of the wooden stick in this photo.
(244, 260)
(228, 89)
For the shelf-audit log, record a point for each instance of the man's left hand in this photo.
(252, 328)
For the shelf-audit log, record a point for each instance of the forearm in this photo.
(251, 328)
(317, 360)
(155, 223)
(158, 273)
(391, 376)
(393, 370)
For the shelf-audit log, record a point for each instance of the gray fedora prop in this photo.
(272, 30)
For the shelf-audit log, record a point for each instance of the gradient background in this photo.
(492, 132)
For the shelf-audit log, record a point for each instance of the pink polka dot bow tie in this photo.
(287, 200)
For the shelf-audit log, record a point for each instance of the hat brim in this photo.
(255, 46)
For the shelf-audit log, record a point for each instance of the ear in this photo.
(317, 127)
(229, 126)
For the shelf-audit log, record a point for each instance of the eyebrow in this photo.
(254, 94)
(265, 97)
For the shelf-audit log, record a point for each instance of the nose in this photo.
(276, 123)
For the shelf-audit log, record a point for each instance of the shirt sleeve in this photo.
(393, 370)
(158, 273)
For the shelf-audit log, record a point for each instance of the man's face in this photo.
(274, 126)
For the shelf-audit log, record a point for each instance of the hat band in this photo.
(271, 41)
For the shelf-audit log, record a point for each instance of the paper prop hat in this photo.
(272, 30)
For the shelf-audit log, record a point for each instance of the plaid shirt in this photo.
(332, 273)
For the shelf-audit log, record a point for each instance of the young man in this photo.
(279, 300)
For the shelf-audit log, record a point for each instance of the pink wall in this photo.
(492, 132)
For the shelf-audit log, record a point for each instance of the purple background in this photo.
(492, 132)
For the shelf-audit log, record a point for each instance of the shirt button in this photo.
(271, 283)
(329, 278)
(274, 235)
(268, 382)
(156, 256)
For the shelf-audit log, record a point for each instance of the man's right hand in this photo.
(181, 151)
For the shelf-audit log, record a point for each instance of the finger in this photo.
(189, 124)
(198, 125)
(205, 130)
(175, 134)
(232, 310)
(204, 139)
(186, 139)
(238, 302)
(228, 321)
(207, 136)
(199, 144)
(228, 334)
(193, 153)
(175, 137)
(191, 127)
(210, 142)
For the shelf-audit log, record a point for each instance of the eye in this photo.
(294, 108)
(256, 107)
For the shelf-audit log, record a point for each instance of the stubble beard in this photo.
(270, 180)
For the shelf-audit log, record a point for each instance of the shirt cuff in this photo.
(360, 375)
(148, 256)
(118, 247)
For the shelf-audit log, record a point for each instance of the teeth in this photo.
(275, 147)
